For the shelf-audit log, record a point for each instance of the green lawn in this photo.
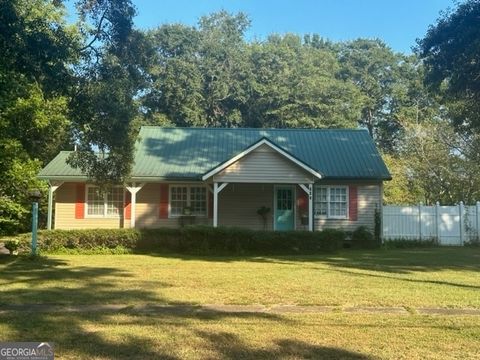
(446, 277)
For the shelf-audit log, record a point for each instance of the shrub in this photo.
(204, 240)
(362, 238)
(405, 244)
(11, 244)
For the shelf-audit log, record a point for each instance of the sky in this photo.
(397, 22)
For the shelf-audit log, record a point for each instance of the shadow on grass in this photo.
(400, 261)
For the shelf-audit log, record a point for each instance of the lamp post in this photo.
(35, 196)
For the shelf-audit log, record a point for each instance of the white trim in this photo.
(53, 186)
(328, 217)
(294, 204)
(105, 205)
(133, 190)
(188, 186)
(253, 147)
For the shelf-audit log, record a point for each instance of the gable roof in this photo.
(190, 153)
(262, 141)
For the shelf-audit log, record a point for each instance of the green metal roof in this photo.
(189, 153)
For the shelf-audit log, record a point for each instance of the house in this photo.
(309, 179)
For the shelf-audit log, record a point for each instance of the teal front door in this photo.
(284, 208)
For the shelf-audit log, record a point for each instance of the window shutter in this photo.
(128, 205)
(80, 201)
(163, 211)
(210, 204)
(353, 206)
(302, 201)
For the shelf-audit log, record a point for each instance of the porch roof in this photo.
(190, 153)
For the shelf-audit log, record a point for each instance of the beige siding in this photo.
(238, 205)
(65, 198)
(148, 208)
(369, 196)
(264, 165)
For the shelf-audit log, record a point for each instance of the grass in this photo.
(438, 277)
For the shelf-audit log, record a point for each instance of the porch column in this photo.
(309, 191)
(310, 207)
(51, 189)
(216, 190)
(133, 203)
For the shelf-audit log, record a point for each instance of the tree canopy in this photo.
(92, 84)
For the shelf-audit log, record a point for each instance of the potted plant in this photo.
(263, 212)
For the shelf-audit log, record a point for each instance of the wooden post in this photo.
(216, 190)
(460, 213)
(51, 189)
(133, 202)
(477, 208)
(215, 204)
(420, 220)
(310, 207)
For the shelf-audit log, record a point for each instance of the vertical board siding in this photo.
(448, 225)
(264, 165)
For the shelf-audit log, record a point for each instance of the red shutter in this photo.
(302, 201)
(210, 204)
(163, 210)
(353, 206)
(80, 201)
(128, 205)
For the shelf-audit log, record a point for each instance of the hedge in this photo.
(202, 240)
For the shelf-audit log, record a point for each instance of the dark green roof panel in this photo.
(188, 153)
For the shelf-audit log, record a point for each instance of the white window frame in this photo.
(105, 205)
(188, 186)
(328, 216)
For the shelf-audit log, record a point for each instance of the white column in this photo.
(461, 218)
(133, 202)
(420, 221)
(309, 191)
(216, 190)
(215, 204)
(310, 207)
(437, 221)
(477, 212)
(51, 190)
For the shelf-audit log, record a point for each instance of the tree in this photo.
(37, 51)
(109, 78)
(450, 51)
(371, 66)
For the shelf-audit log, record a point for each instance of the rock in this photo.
(4, 250)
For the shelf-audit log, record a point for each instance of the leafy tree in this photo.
(109, 79)
(371, 66)
(37, 49)
(450, 51)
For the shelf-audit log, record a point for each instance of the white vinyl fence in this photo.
(448, 225)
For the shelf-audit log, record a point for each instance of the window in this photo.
(331, 202)
(108, 203)
(185, 196)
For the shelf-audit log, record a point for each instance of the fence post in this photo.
(460, 213)
(420, 220)
(437, 221)
(477, 208)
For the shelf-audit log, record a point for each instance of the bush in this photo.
(204, 240)
(362, 238)
(11, 244)
(406, 244)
